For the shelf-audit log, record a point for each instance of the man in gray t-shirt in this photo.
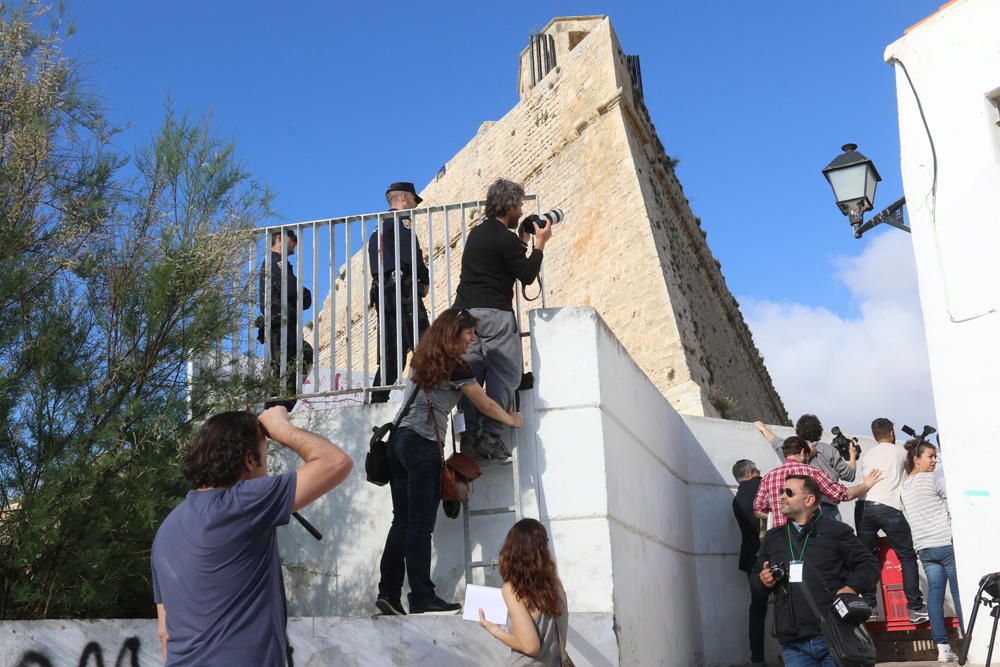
(216, 574)
(823, 455)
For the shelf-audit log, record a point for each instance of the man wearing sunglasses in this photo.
(797, 454)
(816, 552)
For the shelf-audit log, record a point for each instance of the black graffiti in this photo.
(129, 650)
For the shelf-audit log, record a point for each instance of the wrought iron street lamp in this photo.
(854, 178)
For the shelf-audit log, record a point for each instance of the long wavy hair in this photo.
(526, 565)
(914, 450)
(440, 348)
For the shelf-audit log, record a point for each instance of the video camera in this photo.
(843, 444)
(928, 430)
(555, 216)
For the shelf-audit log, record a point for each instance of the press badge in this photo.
(795, 571)
(459, 422)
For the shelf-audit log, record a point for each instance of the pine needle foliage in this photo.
(115, 273)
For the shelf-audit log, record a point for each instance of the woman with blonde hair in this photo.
(438, 377)
(535, 599)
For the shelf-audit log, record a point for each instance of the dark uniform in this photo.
(291, 329)
(387, 372)
(749, 545)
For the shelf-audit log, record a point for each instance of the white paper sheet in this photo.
(489, 599)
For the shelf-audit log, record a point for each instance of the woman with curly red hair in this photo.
(535, 599)
(438, 377)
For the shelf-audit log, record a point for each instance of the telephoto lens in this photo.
(553, 217)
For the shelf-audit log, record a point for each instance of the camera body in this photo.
(922, 437)
(843, 444)
(779, 572)
(553, 217)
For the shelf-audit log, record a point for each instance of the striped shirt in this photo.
(925, 506)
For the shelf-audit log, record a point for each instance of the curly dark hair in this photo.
(526, 565)
(501, 196)
(792, 445)
(216, 457)
(440, 349)
(808, 428)
(914, 450)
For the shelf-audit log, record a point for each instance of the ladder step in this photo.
(485, 563)
(492, 510)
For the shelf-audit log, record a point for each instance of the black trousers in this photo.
(755, 623)
(387, 372)
(891, 521)
(291, 350)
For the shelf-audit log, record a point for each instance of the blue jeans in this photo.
(939, 565)
(415, 482)
(893, 523)
(806, 652)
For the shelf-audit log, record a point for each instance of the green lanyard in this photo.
(788, 529)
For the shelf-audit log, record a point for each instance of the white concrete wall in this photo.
(316, 642)
(953, 59)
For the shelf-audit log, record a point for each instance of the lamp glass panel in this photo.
(870, 184)
(848, 183)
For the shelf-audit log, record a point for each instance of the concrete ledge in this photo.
(345, 642)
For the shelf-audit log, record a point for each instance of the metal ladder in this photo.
(515, 508)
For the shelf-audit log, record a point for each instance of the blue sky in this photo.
(329, 102)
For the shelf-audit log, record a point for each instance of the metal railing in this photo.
(340, 306)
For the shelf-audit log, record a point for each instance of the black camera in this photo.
(779, 572)
(553, 217)
(843, 444)
(928, 431)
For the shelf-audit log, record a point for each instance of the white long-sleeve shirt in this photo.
(888, 458)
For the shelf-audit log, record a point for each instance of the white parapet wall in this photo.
(637, 500)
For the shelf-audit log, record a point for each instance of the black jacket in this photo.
(834, 557)
(492, 260)
(406, 238)
(291, 293)
(748, 522)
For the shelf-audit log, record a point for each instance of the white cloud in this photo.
(849, 369)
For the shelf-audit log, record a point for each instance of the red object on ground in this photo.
(896, 616)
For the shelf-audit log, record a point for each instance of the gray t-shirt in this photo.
(216, 571)
(444, 398)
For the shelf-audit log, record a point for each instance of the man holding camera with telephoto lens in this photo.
(401, 196)
(492, 261)
(813, 551)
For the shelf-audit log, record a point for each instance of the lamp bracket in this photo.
(891, 215)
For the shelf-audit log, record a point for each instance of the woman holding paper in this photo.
(438, 378)
(535, 599)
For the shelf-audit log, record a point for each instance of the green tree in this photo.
(114, 274)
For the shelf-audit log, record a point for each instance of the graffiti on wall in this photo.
(92, 656)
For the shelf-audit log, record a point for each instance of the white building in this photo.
(948, 90)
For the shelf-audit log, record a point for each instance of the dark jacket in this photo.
(291, 292)
(834, 557)
(748, 522)
(492, 260)
(406, 237)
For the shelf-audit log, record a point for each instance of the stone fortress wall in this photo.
(582, 139)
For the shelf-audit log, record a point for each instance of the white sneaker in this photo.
(945, 654)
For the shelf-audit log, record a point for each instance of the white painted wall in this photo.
(953, 59)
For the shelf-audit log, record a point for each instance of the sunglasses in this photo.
(788, 492)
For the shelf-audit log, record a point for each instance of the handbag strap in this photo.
(430, 417)
(406, 408)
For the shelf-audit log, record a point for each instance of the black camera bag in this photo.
(377, 459)
(849, 645)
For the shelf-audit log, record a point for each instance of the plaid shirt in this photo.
(771, 485)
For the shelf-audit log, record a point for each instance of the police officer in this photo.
(401, 196)
(291, 316)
